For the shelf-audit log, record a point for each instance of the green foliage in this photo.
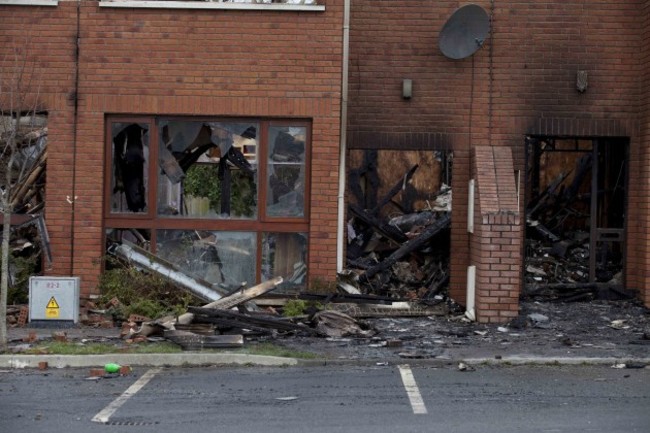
(70, 348)
(244, 194)
(202, 180)
(24, 268)
(294, 307)
(142, 293)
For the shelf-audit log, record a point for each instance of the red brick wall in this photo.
(45, 40)
(182, 62)
(521, 81)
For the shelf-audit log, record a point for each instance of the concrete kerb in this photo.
(206, 359)
(533, 360)
(148, 359)
(496, 362)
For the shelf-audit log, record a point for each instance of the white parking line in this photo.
(412, 390)
(103, 416)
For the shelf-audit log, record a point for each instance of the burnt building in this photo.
(220, 134)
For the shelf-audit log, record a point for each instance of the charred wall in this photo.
(522, 81)
(639, 263)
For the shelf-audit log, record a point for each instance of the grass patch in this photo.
(75, 348)
(69, 348)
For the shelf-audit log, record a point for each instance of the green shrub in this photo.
(24, 267)
(294, 307)
(142, 293)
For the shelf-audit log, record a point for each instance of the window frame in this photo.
(153, 222)
(180, 4)
(49, 3)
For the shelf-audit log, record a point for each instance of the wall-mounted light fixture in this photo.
(407, 88)
(581, 81)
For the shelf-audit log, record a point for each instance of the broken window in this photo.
(218, 257)
(130, 163)
(207, 180)
(286, 172)
(208, 169)
(285, 254)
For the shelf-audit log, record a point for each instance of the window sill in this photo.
(29, 2)
(209, 5)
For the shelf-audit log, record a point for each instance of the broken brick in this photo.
(96, 372)
(61, 336)
(23, 315)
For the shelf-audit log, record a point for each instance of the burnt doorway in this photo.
(398, 222)
(575, 217)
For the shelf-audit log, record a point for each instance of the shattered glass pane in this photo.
(130, 167)
(286, 172)
(285, 255)
(208, 170)
(223, 258)
(139, 237)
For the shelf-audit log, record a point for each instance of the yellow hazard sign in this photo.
(52, 309)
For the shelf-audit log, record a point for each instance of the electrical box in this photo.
(53, 300)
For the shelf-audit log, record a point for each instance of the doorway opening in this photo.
(576, 197)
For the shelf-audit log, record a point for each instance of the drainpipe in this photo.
(75, 120)
(342, 148)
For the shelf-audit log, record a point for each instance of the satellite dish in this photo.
(464, 32)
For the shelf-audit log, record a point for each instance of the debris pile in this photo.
(28, 169)
(219, 325)
(29, 243)
(406, 256)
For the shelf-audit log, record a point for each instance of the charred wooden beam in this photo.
(386, 230)
(413, 245)
(245, 320)
(540, 200)
(399, 186)
(366, 196)
(560, 287)
(349, 298)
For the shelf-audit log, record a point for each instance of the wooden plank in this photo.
(235, 299)
(191, 341)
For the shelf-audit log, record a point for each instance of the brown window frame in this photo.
(150, 220)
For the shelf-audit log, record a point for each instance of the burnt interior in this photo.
(575, 217)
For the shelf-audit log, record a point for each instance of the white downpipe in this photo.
(340, 239)
(470, 311)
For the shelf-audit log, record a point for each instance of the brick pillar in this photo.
(496, 243)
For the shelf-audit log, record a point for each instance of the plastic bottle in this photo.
(112, 368)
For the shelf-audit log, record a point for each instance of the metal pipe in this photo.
(342, 149)
(200, 288)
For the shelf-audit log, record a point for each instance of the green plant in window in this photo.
(202, 180)
(244, 194)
